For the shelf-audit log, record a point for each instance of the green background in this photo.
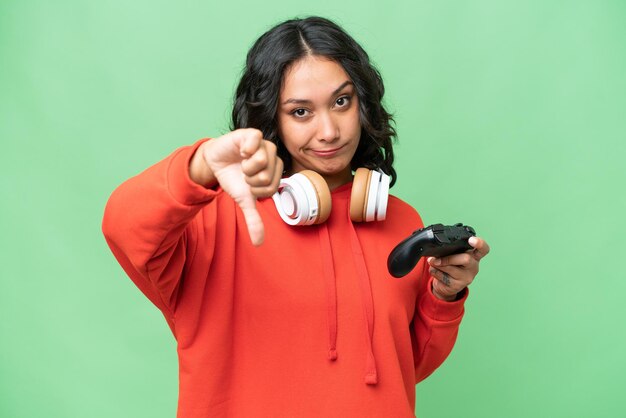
(510, 118)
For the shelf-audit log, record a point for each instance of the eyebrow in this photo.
(336, 91)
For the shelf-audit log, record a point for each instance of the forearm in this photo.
(435, 327)
(147, 214)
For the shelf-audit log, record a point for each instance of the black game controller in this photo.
(436, 240)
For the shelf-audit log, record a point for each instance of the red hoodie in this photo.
(310, 324)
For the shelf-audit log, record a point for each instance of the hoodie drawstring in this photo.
(371, 374)
(331, 290)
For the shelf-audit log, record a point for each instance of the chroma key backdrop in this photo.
(510, 118)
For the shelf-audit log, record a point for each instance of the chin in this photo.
(326, 167)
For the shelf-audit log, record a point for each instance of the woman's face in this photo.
(318, 118)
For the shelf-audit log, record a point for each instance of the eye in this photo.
(299, 113)
(343, 101)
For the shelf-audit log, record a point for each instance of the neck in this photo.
(338, 180)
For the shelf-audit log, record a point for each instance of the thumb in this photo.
(253, 219)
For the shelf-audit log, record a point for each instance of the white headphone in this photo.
(304, 198)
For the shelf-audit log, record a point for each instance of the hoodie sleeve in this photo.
(435, 327)
(148, 226)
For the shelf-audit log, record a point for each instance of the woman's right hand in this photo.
(246, 167)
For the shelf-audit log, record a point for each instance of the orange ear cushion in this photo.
(323, 194)
(358, 197)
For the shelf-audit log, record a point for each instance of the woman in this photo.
(273, 319)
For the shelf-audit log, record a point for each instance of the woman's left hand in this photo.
(455, 272)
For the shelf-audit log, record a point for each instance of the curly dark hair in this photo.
(257, 96)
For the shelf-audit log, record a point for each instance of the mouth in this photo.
(325, 153)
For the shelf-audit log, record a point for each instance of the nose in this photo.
(328, 128)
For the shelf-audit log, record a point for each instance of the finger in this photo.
(481, 248)
(269, 190)
(249, 141)
(261, 164)
(455, 273)
(442, 276)
(455, 280)
(253, 219)
(444, 287)
(462, 259)
(260, 167)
